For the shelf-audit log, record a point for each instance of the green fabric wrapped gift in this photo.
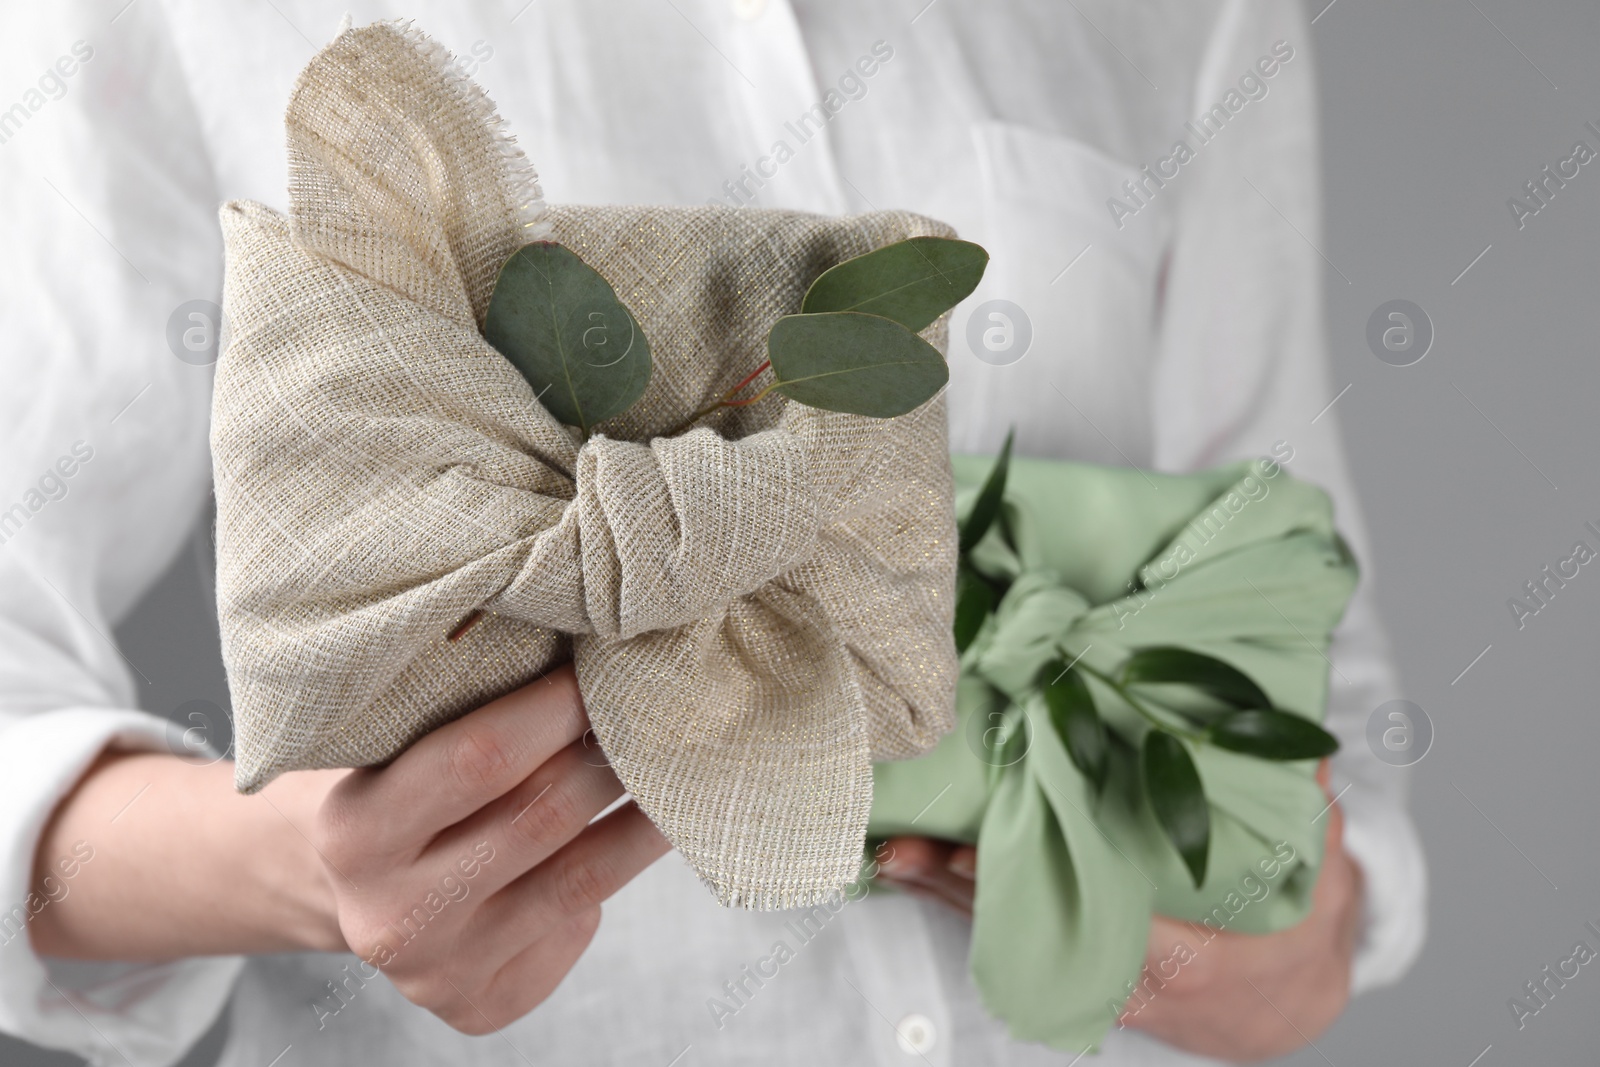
(1241, 564)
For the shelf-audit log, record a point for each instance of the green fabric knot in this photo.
(1240, 563)
(1025, 632)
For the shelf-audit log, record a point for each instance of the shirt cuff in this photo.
(139, 1014)
(1380, 837)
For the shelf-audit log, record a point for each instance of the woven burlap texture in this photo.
(757, 608)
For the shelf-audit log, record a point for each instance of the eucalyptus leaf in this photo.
(1072, 712)
(987, 505)
(561, 325)
(912, 282)
(856, 363)
(1206, 673)
(975, 599)
(1272, 734)
(1173, 788)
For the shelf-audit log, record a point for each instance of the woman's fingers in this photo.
(475, 874)
(586, 871)
(524, 982)
(536, 818)
(460, 767)
(940, 870)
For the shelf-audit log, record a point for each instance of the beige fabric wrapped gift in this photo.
(757, 608)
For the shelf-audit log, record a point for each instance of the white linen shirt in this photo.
(1182, 330)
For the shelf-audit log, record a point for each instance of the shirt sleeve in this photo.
(107, 219)
(1243, 372)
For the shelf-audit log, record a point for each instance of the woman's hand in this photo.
(930, 868)
(467, 870)
(1247, 998)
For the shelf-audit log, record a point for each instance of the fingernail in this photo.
(962, 864)
(892, 866)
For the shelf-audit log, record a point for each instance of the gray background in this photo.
(1477, 467)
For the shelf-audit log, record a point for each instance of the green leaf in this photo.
(1072, 711)
(1173, 787)
(861, 364)
(987, 505)
(560, 324)
(975, 599)
(1271, 734)
(912, 282)
(1207, 673)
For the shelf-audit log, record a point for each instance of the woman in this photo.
(1147, 305)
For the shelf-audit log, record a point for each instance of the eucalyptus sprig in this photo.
(853, 347)
(561, 325)
(1247, 722)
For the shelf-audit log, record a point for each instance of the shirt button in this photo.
(916, 1034)
(749, 10)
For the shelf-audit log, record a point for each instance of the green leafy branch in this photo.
(1249, 725)
(853, 347)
